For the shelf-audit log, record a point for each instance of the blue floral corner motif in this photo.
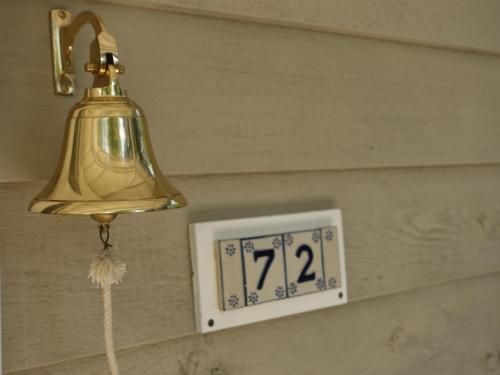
(230, 249)
(233, 300)
(279, 292)
(253, 298)
(277, 242)
(320, 284)
(329, 235)
(292, 288)
(249, 246)
(289, 239)
(332, 282)
(316, 235)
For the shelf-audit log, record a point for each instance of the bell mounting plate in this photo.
(64, 82)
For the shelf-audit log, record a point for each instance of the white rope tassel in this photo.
(104, 271)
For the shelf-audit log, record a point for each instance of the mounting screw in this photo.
(341, 295)
(211, 323)
(62, 14)
(66, 84)
(94, 68)
(120, 69)
(91, 67)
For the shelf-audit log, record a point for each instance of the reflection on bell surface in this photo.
(107, 164)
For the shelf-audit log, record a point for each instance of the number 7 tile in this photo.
(264, 269)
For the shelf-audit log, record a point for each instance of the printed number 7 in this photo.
(270, 257)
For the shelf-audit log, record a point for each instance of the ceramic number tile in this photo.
(231, 283)
(265, 269)
(304, 262)
(331, 257)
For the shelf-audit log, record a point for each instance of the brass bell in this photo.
(107, 166)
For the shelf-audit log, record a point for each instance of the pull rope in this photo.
(105, 271)
(108, 331)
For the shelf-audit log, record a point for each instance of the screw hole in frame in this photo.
(211, 323)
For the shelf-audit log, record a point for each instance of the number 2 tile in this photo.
(264, 266)
(304, 262)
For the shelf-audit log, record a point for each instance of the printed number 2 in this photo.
(304, 276)
(270, 257)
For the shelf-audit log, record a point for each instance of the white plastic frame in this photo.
(203, 237)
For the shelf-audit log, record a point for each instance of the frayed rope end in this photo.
(105, 271)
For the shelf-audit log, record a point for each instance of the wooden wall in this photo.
(389, 110)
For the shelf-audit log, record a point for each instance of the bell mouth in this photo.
(106, 207)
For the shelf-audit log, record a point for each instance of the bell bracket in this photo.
(103, 49)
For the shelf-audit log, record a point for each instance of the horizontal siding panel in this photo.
(404, 229)
(234, 97)
(463, 24)
(443, 330)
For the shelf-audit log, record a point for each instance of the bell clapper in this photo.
(105, 271)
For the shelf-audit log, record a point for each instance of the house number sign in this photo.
(283, 265)
(248, 270)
